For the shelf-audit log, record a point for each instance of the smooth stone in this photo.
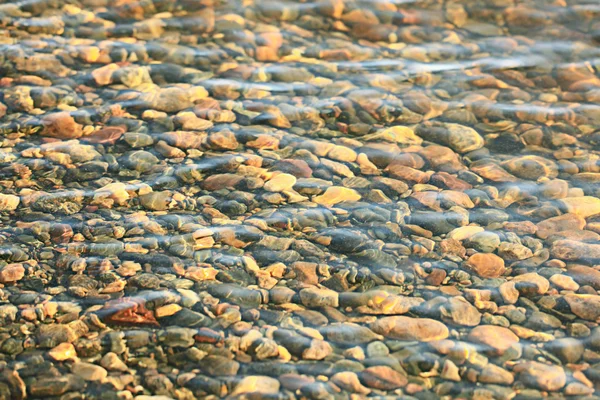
(550, 378)
(408, 328)
(256, 384)
(495, 338)
(486, 265)
(585, 206)
(337, 194)
(280, 183)
(89, 372)
(383, 378)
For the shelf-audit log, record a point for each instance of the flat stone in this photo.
(408, 328)
(585, 306)
(89, 372)
(550, 378)
(337, 194)
(465, 232)
(495, 375)
(256, 384)
(585, 206)
(383, 378)
(112, 362)
(314, 298)
(565, 222)
(571, 250)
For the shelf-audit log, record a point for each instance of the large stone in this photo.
(486, 265)
(337, 194)
(9, 202)
(550, 378)
(565, 222)
(570, 250)
(61, 125)
(584, 275)
(460, 138)
(459, 311)
(256, 384)
(408, 328)
(532, 281)
(280, 183)
(531, 167)
(585, 206)
(89, 372)
(495, 339)
(11, 273)
(383, 377)
(585, 306)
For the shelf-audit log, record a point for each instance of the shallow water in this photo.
(331, 199)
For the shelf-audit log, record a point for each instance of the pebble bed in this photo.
(318, 199)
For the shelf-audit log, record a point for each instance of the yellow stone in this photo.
(168, 310)
(336, 194)
(201, 274)
(584, 206)
(464, 232)
(62, 352)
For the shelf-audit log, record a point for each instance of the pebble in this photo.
(322, 200)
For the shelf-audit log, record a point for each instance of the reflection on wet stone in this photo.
(299, 199)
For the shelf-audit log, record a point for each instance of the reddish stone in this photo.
(128, 311)
(298, 168)
(107, 135)
(61, 125)
(383, 377)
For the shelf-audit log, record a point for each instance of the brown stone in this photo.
(571, 250)
(486, 265)
(298, 168)
(184, 140)
(550, 378)
(406, 173)
(61, 125)
(585, 206)
(584, 275)
(491, 171)
(336, 194)
(531, 167)
(585, 306)
(409, 328)
(445, 180)
(11, 273)
(306, 272)
(107, 135)
(224, 140)
(496, 339)
(221, 181)
(560, 223)
(383, 377)
(442, 158)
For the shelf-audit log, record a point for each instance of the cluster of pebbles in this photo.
(328, 199)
